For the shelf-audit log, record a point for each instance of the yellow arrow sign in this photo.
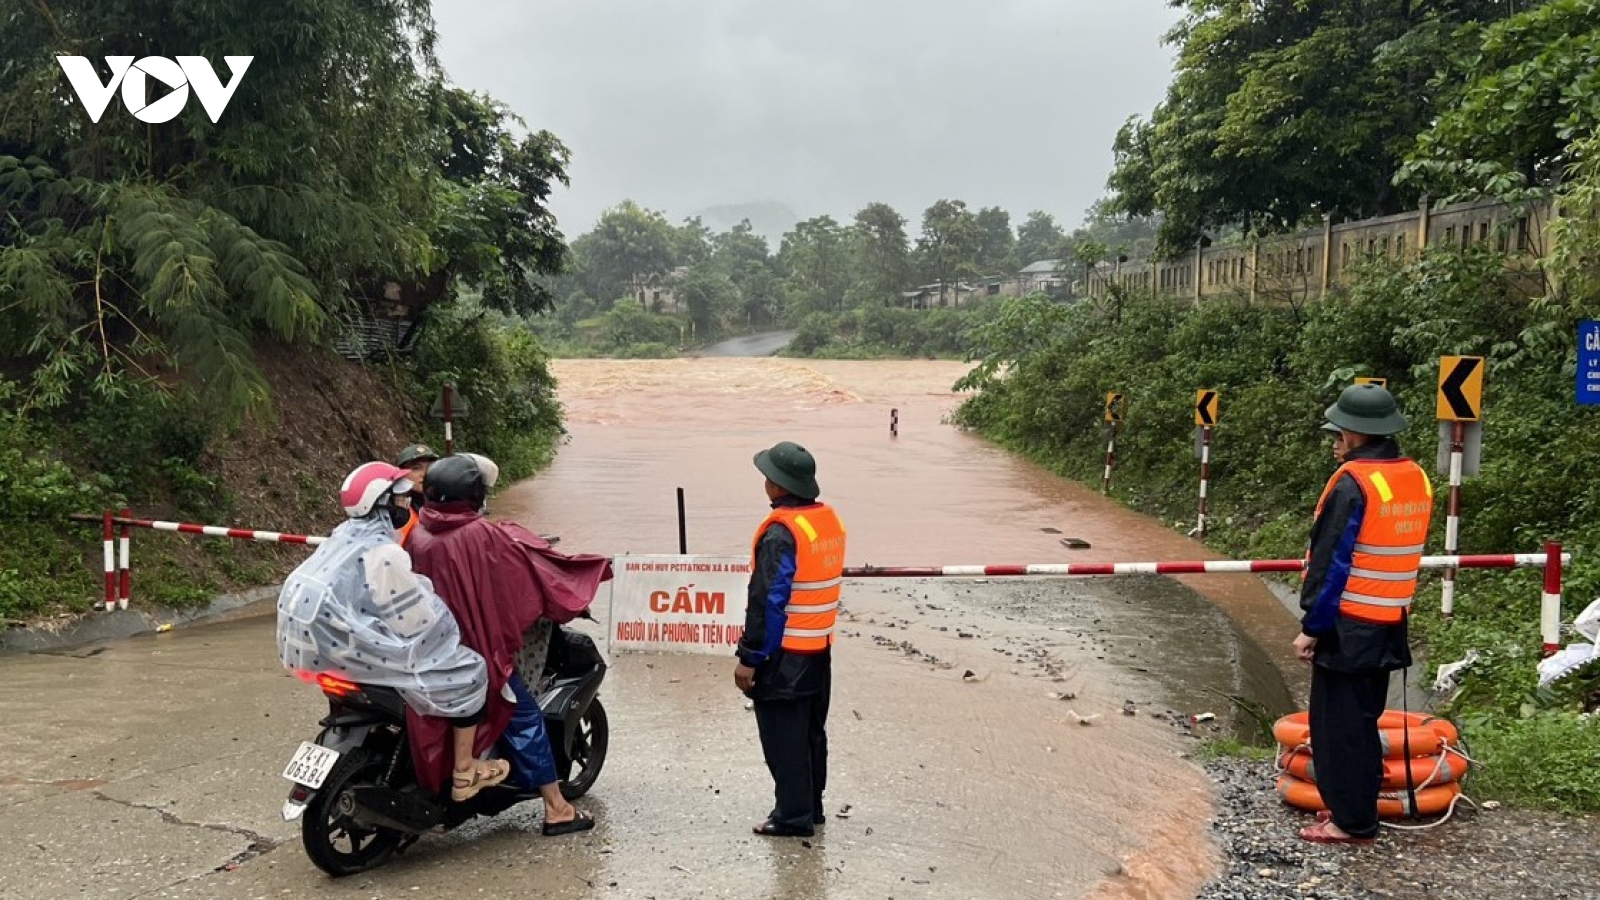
(1114, 407)
(1205, 407)
(1460, 389)
(1369, 379)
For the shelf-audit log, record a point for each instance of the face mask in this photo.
(398, 516)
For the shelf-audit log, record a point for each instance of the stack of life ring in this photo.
(1436, 768)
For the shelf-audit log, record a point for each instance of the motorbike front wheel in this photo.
(335, 843)
(590, 737)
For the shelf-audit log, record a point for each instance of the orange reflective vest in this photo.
(405, 530)
(819, 569)
(1388, 548)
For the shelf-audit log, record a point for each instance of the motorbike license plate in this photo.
(310, 765)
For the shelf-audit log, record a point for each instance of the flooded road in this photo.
(1018, 739)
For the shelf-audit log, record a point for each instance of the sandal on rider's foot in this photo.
(581, 821)
(466, 785)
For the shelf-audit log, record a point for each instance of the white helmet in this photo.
(491, 472)
(367, 484)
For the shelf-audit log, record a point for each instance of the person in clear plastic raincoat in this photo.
(356, 608)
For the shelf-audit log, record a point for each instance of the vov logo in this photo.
(134, 79)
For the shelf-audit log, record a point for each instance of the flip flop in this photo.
(770, 828)
(1318, 834)
(582, 822)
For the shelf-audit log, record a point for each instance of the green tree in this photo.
(882, 253)
(815, 256)
(629, 249)
(1279, 112)
(997, 245)
(496, 231)
(1039, 238)
(1516, 92)
(709, 296)
(949, 243)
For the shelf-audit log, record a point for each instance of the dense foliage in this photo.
(146, 270)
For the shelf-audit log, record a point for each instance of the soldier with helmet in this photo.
(1360, 577)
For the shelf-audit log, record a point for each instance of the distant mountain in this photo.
(769, 218)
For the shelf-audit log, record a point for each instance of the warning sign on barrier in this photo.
(678, 604)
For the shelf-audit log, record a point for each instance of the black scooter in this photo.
(355, 788)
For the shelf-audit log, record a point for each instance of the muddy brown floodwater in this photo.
(934, 495)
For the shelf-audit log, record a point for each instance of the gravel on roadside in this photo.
(1476, 854)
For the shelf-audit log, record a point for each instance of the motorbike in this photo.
(355, 788)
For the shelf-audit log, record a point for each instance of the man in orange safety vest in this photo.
(785, 655)
(1361, 574)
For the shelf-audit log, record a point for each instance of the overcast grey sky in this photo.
(822, 105)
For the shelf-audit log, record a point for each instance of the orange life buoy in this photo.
(1426, 771)
(1427, 734)
(1431, 801)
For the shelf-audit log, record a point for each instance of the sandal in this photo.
(466, 785)
(1319, 834)
(581, 821)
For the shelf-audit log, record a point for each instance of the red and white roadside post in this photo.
(1452, 520)
(111, 562)
(1206, 404)
(1113, 418)
(449, 418)
(124, 570)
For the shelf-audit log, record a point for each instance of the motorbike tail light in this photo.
(330, 684)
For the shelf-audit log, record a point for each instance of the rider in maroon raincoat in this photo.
(498, 580)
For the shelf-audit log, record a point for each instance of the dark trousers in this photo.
(1345, 745)
(794, 740)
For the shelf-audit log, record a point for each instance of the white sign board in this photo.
(678, 604)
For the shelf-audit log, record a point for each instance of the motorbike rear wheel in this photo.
(587, 754)
(335, 843)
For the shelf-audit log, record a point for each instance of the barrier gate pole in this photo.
(1550, 603)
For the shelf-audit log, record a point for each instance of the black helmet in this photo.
(455, 478)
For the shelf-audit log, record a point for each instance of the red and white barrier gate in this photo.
(1551, 560)
(1549, 608)
(118, 535)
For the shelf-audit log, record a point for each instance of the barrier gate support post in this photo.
(1550, 603)
(1205, 477)
(126, 570)
(1452, 522)
(683, 528)
(111, 562)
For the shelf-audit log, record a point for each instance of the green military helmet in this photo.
(791, 467)
(1367, 409)
(414, 454)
